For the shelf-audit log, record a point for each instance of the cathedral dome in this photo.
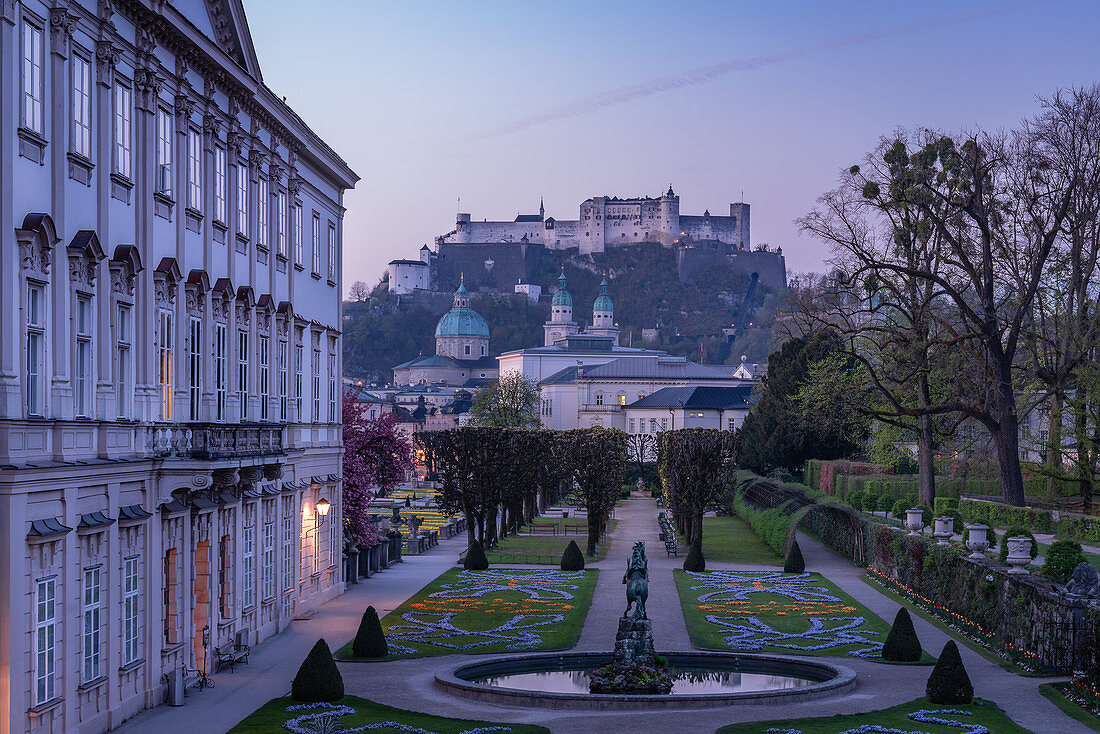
(562, 297)
(462, 322)
(603, 301)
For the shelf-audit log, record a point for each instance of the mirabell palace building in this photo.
(169, 355)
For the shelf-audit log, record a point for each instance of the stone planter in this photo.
(945, 528)
(914, 520)
(1019, 554)
(977, 541)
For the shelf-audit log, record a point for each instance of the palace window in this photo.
(333, 542)
(622, 399)
(81, 142)
(599, 398)
(194, 369)
(281, 216)
(164, 153)
(730, 424)
(171, 598)
(262, 210)
(288, 550)
(631, 426)
(332, 252)
(123, 130)
(36, 349)
(82, 358)
(664, 424)
(298, 235)
(281, 358)
(194, 169)
(164, 363)
(265, 375)
(225, 582)
(242, 199)
(269, 560)
(219, 371)
(299, 355)
(248, 566)
(316, 373)
(33, 108)
(131, 610)
(332, 387)
(124, 384)
(242, 373)
(316, 244)
(220, 164)
(93, 625)
(45, 640)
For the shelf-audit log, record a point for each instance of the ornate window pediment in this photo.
(265, 307)
(166, 280)
(245, 301)
(36, 239)
(284, 315)
(85, 254)
(125, 265)
(195, 290)
(221, 299)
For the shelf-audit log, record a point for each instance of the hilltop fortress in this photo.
(607, 221)
(501, 256)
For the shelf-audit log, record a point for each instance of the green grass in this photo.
(272, 715)
(1053, 691)
(547, 549)
(780, 613)
(731, 540)
(486, 612)
(981, 712)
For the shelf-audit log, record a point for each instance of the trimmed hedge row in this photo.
(1001, 516)
(771, 526)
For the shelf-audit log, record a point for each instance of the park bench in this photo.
(671, 547)
(232, 653)
(543, 528)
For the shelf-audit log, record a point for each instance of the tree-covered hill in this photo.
(384, 330)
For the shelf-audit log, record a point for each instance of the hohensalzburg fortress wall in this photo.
(608, 221)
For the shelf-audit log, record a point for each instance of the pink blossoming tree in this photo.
(376, 458)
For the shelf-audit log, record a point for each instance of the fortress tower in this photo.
(603, 315)
(669, 222)
(561, 323)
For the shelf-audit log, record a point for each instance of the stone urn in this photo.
(1019, 554)
(945, 528)
(914, 520)
(977, 541)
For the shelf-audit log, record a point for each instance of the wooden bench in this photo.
(232, 653)
(535, 529)
(671, 548)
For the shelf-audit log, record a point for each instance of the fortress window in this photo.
(467, 350)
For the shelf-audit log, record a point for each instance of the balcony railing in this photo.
(594, 408)
(217, 440)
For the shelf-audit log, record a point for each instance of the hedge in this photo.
(998, 515)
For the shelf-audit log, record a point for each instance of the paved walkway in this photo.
(410, 684)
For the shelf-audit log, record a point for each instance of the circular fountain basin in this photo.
(702, 679)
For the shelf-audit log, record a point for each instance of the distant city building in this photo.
(703, 406)
(607, 221)
(170, 364)
(532, 290)
(461, 350)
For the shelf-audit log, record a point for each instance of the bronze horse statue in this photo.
(636, 579)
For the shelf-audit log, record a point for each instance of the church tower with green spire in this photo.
(561, 323)
(603, 315)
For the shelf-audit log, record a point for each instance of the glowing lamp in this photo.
(323, 506)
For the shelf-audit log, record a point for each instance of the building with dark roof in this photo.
(700, 406)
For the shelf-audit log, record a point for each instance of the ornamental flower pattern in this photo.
(325, 713)
(732, 598)
(432, 621)
(924, 716)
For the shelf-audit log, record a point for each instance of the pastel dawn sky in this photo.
(501, 103)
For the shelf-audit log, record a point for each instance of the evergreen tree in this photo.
(949, 682)
(794, 562)
(695, 561)
(902, 644)
(572, 559)
(370, 641)
(475, 559)
(318, 679)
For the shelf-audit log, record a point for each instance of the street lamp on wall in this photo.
(322, 507)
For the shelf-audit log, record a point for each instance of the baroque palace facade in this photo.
(170, 285)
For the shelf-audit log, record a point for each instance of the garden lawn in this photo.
(547, 549)
(1056, 693)
(770, 611)
(988, 714)
(493, 611)
(731, 540)
(272, 715)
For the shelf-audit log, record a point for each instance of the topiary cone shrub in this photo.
(901, 643)
(370, 641)
(572, 559)
(794, 563)
(695, 561)
(475, 559)
(949, 682)
(318, 679)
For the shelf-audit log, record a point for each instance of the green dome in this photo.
(562, 297)
(462, 322)
(603, 301)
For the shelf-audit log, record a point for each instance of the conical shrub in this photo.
(794, 562)
(695, 561)
(902, 644)
(949, 682)
(318, 679)
(572, 559)
(475, 559)
(370, 641)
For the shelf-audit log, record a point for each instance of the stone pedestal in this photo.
(634, 668)
(634, 642)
